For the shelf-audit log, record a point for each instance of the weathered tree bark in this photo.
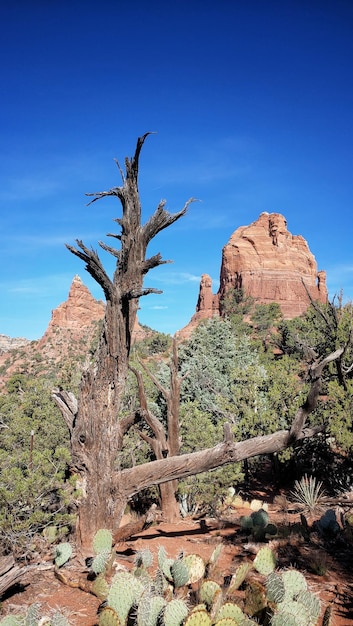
(10, 573)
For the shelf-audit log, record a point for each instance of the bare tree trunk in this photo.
(95, 429)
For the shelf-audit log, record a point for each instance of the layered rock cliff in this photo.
(269, 264)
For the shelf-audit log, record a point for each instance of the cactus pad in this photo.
(239, 576)
(62, 554)
(149, 609)
(100, 588)
(102, 541)
(311, 603)
(294, 582)
(230, 610)
(283, 619)
(144, 558)
(296, 610)
(124, 592)
(265, 561)
(108, 617)
(275, 590)
(58, 619)
(195, 566)
(260, 518)
(100, 561)
(198, 618)
(208, 590)
(180, 573)
(227, 621)
(11, 620)
(175, 613)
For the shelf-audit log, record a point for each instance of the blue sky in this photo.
(252, 103)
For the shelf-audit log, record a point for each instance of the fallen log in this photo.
(10, 573)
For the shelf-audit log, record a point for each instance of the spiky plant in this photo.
(308, 493)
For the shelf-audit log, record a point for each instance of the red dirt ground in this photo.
(334, 587)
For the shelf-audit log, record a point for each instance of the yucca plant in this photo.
(309, 493)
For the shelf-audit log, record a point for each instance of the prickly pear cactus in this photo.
(108, 617)
(265, 561)
(125, 591)
(275, 590)
(227, 621)
(215, 555)
(102, 541)
(175, 613)
(294, 583)
(230, 610)
(283, 619)
(195, 566)
(311, 603)
(180, 573)
(62, 553)
(100, 588)
(208, 590)
(100, 562)
(144, 558)
(255, 598)
(238, 577)
(149, 609)
(260, 518)
(216, 603)
(271, 529)
(58, 619)
(198, 618)
(246, 522)
(165, 563)
(297, 610)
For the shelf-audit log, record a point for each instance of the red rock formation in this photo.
(70, 333)
(78, 316)
(269, 264)
(79, 310)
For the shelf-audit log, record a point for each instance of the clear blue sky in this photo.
(252, 102)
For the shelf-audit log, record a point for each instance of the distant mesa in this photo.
(12, 343)
(269, 264)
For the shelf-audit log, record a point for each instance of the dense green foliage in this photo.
(249, 371)
(33, 462)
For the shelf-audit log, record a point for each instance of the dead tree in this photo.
(96, 432)
(165, 441)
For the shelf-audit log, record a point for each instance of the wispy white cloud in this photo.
(176, 278)
(157, 308)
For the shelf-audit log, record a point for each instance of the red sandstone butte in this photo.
(269, 264)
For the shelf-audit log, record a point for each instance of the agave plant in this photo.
(309, 493)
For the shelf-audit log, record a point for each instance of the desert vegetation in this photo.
(165, 429)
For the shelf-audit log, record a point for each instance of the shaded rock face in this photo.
(269, 264)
